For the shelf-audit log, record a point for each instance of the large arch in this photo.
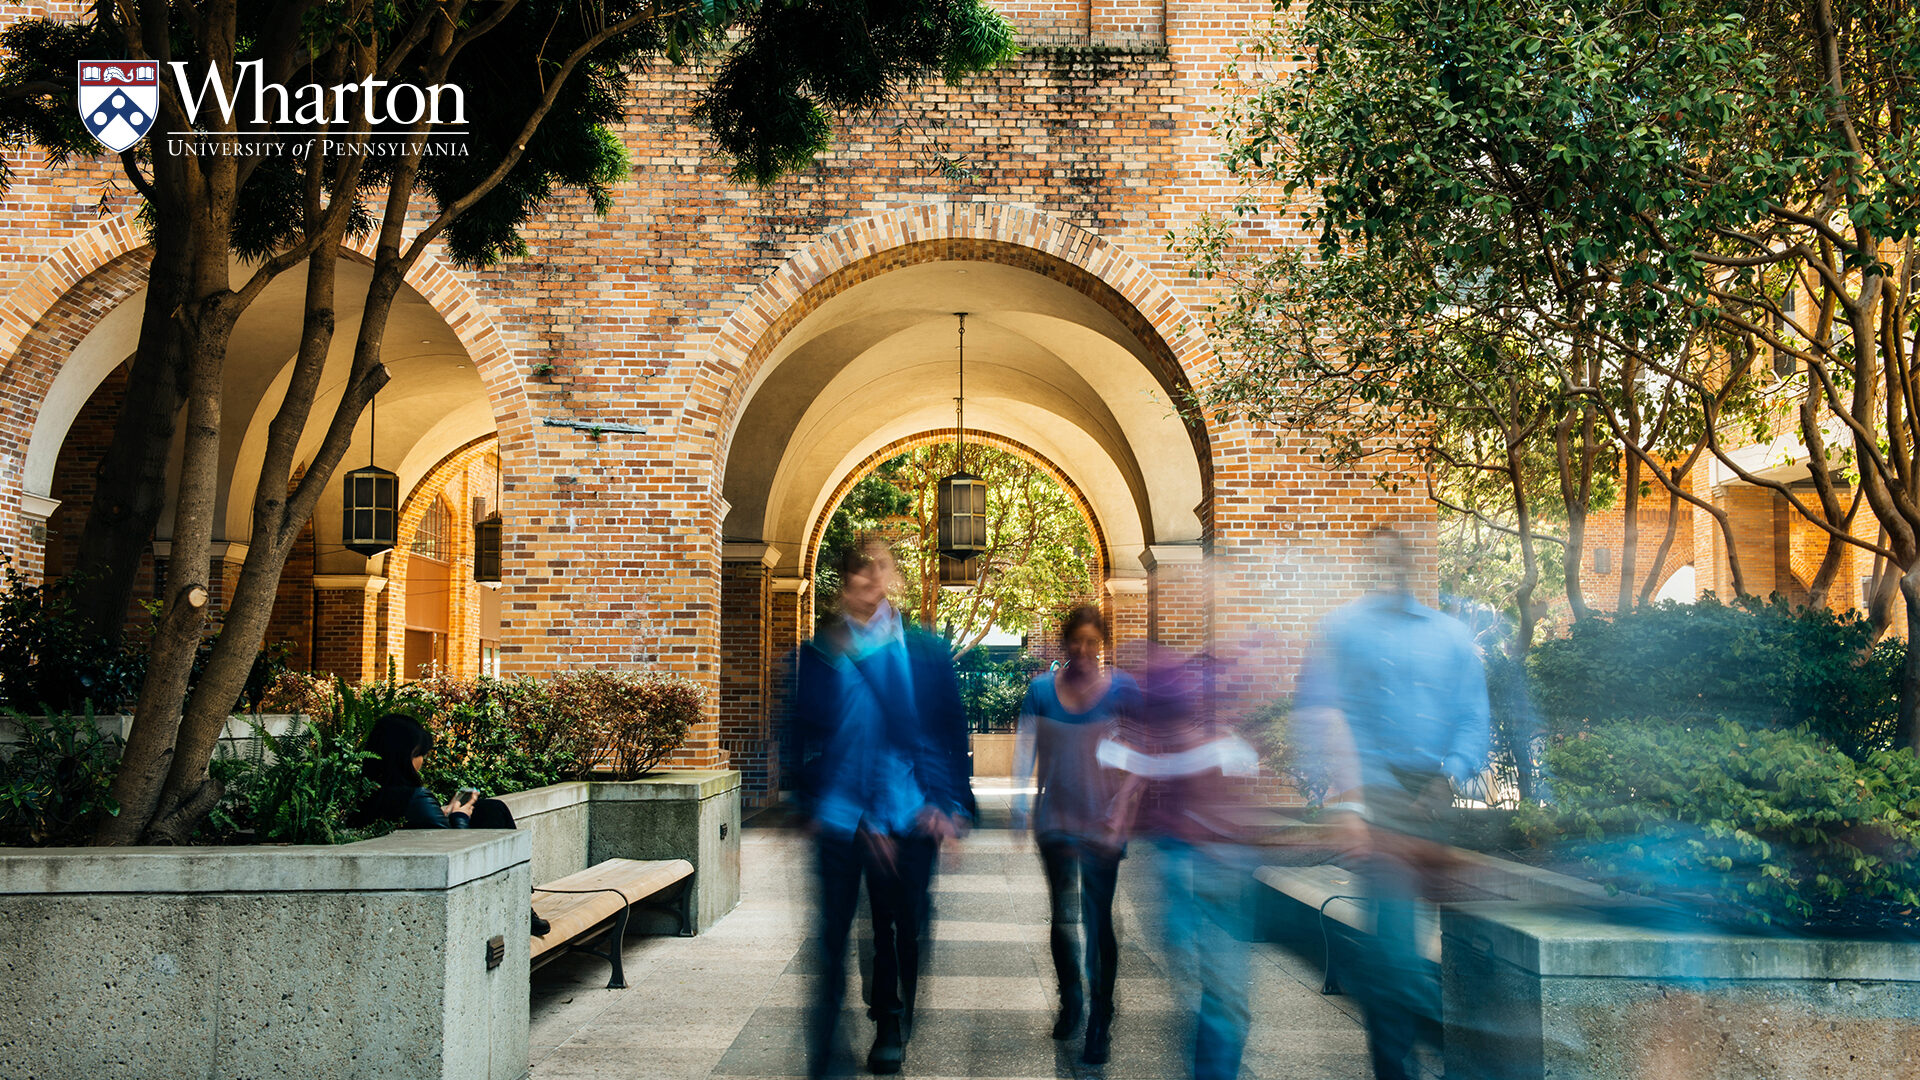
(76, 318)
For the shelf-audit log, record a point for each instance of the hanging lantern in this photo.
(963, 498)
(486, 538)
(371, 517)
(486, 549)
(959, 573)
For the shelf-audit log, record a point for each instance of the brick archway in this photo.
(69, 295)
(1103, 556)
(933, 232)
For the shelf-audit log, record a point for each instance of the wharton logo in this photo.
(118, 99)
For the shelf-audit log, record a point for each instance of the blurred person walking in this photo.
(884, 780)
(1180, 766)
(1393, 696)
(1066, 715)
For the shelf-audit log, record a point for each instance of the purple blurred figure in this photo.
(1180, 791)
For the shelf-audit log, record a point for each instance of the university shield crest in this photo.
(118, 99)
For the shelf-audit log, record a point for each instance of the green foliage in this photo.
(1771, 827)
(501, 735)
(48, 659)
(1760, 664)
(1040, 552)
(300, 787)
(992, 691)
(54, 780)
(1269, 729)
(640, 717)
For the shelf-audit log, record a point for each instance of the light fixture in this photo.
(486, 536)
(963, 497)
(371, 517)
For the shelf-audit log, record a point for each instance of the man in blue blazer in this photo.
(884, 781)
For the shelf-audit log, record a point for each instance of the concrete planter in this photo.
(361, 960)
(236, 739)
(692, 815)
(1534, 990)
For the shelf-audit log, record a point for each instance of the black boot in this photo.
(540, 925)
(1099, 1034)
(1071, 1004)
(889, 1049)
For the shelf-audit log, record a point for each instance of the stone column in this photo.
(744, 654)
(1178, 599)
(345, 616)
(31, 559)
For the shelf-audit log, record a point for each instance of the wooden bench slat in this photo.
(576, 909)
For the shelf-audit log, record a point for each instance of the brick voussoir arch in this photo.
(50, 289)
(1102, 554)
(927, 232)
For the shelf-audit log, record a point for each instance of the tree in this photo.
(1040, 556)
(542, 81)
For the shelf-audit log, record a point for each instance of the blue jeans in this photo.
(1206, 935)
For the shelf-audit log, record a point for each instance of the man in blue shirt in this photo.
(1393, 698)
(884, 779)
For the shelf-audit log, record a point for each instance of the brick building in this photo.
(772, 345)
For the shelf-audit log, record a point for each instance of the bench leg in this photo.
(616, 944)
(686, 909)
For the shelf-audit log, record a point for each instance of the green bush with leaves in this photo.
(302, 787)
(501, 735)
(49, 661)
(1759, 826)
(1762, 664)
(640, 717)
(54, 779)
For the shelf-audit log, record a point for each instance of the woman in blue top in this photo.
(1067, 714)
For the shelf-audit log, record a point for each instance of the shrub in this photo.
(50, 662)
(1759, 664)
(501, 735)
(302, 787)
(640, 717)
(1760, 826)
(54, 781)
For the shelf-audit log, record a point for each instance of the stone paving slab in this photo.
(729, 1003)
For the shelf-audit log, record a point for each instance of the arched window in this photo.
(436, 532)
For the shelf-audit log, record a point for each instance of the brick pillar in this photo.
(31, 558)
(1126, 612)
(787, 627)
(345, 617)
(1177, 597)
(745, 617)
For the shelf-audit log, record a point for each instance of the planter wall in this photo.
(993, 753)
(236, 739)
(362, 960)
(671, 815)
(1534, 991)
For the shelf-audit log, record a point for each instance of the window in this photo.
(435, 533)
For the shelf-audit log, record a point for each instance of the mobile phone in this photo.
(467, 794)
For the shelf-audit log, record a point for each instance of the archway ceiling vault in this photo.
(1046, 366)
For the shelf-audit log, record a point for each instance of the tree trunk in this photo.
(131, 481)
(148, 757)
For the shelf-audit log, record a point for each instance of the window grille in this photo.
(436, 528)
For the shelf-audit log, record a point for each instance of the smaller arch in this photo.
(396, 563)
(1103, 558)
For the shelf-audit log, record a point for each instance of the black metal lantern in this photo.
(486, 549)
(963, 498)
(486, 537)
(371, 516)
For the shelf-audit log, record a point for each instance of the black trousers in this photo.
(1098, 872)
(897, 899)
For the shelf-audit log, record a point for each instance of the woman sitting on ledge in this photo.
(402, 744)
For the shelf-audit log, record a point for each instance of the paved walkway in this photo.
(729, 1002)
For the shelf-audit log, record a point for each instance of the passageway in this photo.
(729, 1002)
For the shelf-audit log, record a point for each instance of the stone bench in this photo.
(593, 905)
(1336, 895)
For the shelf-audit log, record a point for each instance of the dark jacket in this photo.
(930, 730)
(414, 808)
